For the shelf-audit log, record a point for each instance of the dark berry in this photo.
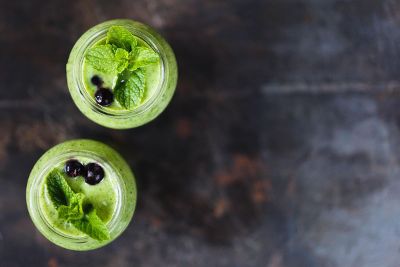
(96, 80)
(104, 97)
(74, 168)
(94, 173)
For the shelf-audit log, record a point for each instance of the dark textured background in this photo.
(280, 147)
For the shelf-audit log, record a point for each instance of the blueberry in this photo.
(104, 97)
(94, 173)
(74, 168)
(96, 80)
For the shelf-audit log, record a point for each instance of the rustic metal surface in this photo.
(281, 147)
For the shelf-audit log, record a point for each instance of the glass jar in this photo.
(116, 169)
(149, 109)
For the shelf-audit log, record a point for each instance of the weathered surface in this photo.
(280, 148)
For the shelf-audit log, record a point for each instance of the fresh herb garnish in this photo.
(70, 207)
(130, 89)
(140, 57)
(92, 225)
(59, 191)
(123, 56)
(103, 59)
(121, 37)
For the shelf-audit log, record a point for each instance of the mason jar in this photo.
(120, 181)
(151, 107)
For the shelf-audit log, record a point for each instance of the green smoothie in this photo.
(102, 196)
(153, 79)
(81, 194)
(121, 74)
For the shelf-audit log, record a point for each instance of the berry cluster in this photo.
(92, 172)
(104, 96)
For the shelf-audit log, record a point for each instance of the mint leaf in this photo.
(74, 210)
(92, 225)
(142, 56)
(59, 191)
(130, 91)
(121, 37)
(69, 206)
(101, 57)
(121, 56)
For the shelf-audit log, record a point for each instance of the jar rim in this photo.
(38, 180)
(124, 206)
(146, 111)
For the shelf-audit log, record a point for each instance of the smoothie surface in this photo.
(102, 196)
(121, 74)
(132, 72)
(81, 194)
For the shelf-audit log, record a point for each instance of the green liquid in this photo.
(114, 198)
(160, 84)
(153, 78)
(102, 196)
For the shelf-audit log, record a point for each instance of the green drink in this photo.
(121, 74)
(81, 194)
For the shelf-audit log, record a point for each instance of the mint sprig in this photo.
(123, 56)
(59, 191)
(74, 210)
(92, 225)
(102, 58)
(141, 57)
(121, 37)
(70, 207)
(130, 91)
